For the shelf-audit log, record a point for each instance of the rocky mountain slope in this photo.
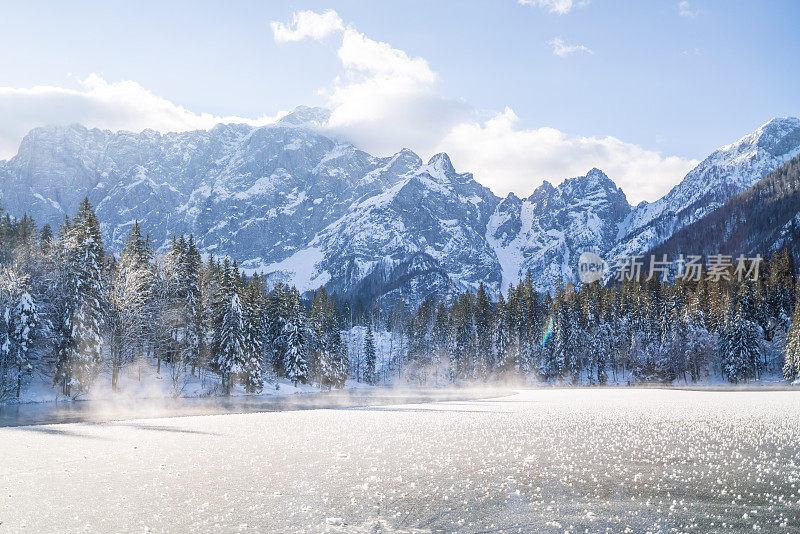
(300, 206)
(726, 172)
(762, 219)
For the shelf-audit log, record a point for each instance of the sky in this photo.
(515, 91)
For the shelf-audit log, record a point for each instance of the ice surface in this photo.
(550, 460)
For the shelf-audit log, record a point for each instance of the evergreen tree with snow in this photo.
(484, 329)
(329, 360)
(18, 324)
(22, 336)
(253, 368)
(369, 356)
(294, 340)
(128, 294)
(192, 306)
(739, 347)
(79, 351)
(230, 358)
(276, 316)
(791, 365)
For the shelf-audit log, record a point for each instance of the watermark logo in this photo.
(591, 267)
(691, 267)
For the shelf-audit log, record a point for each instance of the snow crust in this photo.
(550, 460)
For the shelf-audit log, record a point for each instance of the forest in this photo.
(76, 313)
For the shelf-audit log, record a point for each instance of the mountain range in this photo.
(300, 206)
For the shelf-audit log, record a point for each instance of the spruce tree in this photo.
(294, 340)
(791, 366)
(369, 356)
(230, 360)
(253, 369)
(485, 362)
(79, 350)
(738, 347)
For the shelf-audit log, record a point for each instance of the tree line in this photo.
(74, 311)
(631, 331)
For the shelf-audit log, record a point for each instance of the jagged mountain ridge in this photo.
(299, 206)
(762, 219)
(725, 173)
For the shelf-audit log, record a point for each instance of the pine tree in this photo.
(253, 368)
(128, 295)
(27, 317)
(791, 366)
(19, 317)
(79, 350)
(329, 360)
(295, 357)
(738, 347)
(369, 356)
(193, 312)
(485, 360)
(500, 337)
(230, 360)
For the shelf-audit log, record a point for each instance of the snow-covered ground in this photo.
(551, 460)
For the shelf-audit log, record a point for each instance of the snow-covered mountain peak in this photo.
(440, 166)
(545, 190)
(311, 117)
(728, 171)
(596, 174)
(594, 180)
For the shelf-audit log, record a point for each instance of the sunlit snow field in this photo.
(551, 460)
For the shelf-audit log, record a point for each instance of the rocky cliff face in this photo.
(302, 207)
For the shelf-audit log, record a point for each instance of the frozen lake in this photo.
(554, 460)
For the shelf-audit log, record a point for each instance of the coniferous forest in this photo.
(76, 313)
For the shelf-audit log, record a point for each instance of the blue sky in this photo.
(640, 89)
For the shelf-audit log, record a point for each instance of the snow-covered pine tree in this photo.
(484, 328)
(791, 365)
(18, 320)
(369, 355)
(211, 297)
(463, 349)
(229, 360)
(192, 311)
(294, 337)
(253, 365)
(577, 340)
(26, 317)
(499, 335)
(739, 347)
(128, 293)
(79, 350)
(554, 340)
(275, 318)
(329, 359)
(698, 349)
(598, 350)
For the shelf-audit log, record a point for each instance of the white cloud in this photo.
(685, 10)
(96, 103)
(386, 99)
(307, 24)
(509, 159)
(562, 7)
(562, 49)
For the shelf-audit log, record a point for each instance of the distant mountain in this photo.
(725, 173)
(760, 220)
(546, 232)
(297, 205)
